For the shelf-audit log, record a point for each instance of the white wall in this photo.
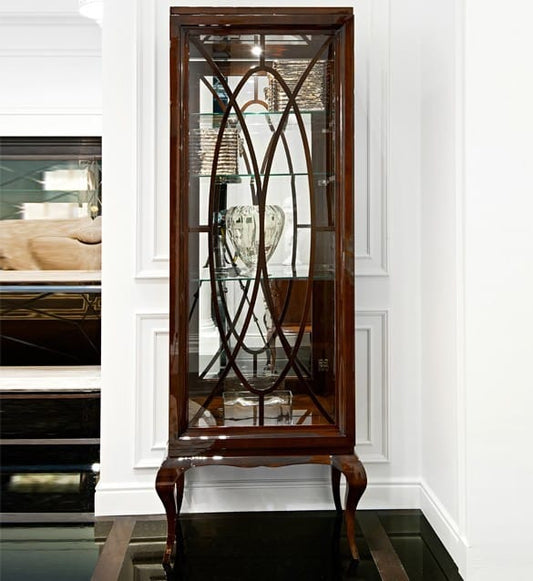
(498, 205)
(477, 283)
(135, 272)
(50, 64)
(441, 272)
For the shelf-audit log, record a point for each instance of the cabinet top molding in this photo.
(269, 17)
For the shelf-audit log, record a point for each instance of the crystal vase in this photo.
(242, 227)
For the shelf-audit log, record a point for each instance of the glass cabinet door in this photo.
(256, 231)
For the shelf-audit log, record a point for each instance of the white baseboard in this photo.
(251, 496)
(444, 526)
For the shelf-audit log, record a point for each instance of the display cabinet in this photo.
(262, 328)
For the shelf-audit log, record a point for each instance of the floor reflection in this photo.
(280, 546)
(310, 546)
(47, 553)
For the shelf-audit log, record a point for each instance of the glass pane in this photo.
(50, 205)
(261, 245)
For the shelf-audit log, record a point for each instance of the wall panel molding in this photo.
(372, 386)
(372, 137)
(153, 143)
(151, 390)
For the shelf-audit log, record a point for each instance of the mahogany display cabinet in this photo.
(262, 328)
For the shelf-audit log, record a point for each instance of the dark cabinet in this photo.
(262, 369)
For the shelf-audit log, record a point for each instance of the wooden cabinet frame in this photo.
(330, 301)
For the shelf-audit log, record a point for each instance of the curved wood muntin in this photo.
(170, 484)
(269, 340)
(259, 195)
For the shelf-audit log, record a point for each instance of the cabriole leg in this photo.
(170, 480)
(355, 474)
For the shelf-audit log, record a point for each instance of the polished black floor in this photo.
(394, 545)
(47, 552)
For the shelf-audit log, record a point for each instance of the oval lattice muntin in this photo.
(260, 238)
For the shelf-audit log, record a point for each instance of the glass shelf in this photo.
(275, 272)
(328, 178)
(264, 113)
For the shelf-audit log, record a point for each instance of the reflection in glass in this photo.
(261, 300)
(50, 204)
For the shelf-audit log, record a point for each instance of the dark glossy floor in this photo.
(394, 545)
(47, 553)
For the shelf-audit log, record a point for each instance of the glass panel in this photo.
(50, 205)
(261, 245)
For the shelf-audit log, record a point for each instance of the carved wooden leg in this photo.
(355, 475)
(336, 487)
(168, 479)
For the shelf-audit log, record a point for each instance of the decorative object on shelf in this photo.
(314, 92)
(203, 144)
(241, 408)
(243, 230)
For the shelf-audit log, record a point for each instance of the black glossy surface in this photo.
(285, 546)
(278, 546)
(241, 547)
(47, 553)
(44, 438)
(50, 342)
(50, 416)
(57, 492)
